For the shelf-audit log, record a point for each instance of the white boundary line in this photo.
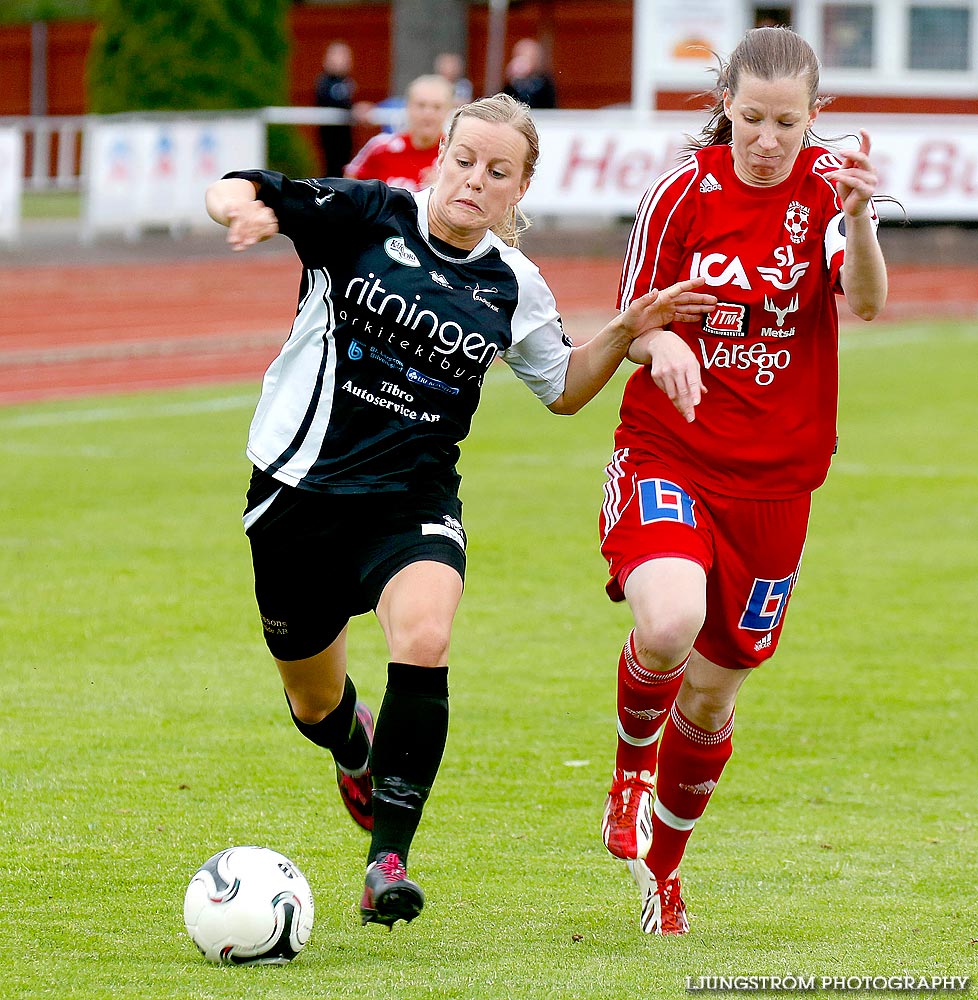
(904, 471)
(142, 411)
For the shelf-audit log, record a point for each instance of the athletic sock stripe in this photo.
(700, 736)
(670, 819)
(637, 741)
(643, 675)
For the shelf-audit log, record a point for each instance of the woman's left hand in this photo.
(855, 181)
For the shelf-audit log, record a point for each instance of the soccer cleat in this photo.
(388, 894)
(357, 790)
(626, 827)
(663, 909)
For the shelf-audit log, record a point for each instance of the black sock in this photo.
(340, 732)
(412, 728)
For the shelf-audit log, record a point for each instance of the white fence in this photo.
(135, 171)
(140, 172)
(53, 150)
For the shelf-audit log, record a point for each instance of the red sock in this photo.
(644, 700)
(691, 761)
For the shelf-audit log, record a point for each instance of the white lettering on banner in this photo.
(600, 163)
(610, 165)
(940, 168)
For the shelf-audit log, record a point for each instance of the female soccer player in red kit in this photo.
(725, 432)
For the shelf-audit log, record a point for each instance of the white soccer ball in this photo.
(249, 905)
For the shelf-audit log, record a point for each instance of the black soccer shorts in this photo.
(322, 558)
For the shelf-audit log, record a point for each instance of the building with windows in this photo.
(909, 56)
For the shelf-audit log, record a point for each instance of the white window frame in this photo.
(890, 74)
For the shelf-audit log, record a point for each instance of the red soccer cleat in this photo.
(626, 827)
(388, 894)
(357, 788)
(663, 909)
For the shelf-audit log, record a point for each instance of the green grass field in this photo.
(51, 205)
(143, 726)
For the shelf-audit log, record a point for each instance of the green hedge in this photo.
(25, 11)
(196, 55)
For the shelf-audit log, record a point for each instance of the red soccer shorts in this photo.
(749, 549)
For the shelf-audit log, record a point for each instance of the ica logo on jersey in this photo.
(718, 269)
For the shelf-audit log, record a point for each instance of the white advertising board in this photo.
(11, 182)
(601, 165)
(152, 171)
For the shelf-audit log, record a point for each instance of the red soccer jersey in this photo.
(394, 160)
(769, 350)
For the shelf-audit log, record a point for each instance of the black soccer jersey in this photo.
(383, 369)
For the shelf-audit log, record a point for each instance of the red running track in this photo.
(98, 328)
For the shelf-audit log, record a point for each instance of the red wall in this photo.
(590, 54)
(15, 58)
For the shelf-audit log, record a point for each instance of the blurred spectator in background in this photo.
(526, 77)
(451, 66)
(335, 89)
(407, 159)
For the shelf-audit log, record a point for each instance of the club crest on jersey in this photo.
(796, 222)
(395, 249)
(728, 319)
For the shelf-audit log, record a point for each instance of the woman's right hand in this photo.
(673, 367)
(249, 223)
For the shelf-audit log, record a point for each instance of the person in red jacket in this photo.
(725, 434)
(407, 159)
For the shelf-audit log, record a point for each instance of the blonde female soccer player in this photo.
(406, 299)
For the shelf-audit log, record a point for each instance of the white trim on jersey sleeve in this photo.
(540, 353)
(375, 144)
(291, 382)
(835, 238)
(638, 248)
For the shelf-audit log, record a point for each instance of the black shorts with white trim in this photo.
(321, 559)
